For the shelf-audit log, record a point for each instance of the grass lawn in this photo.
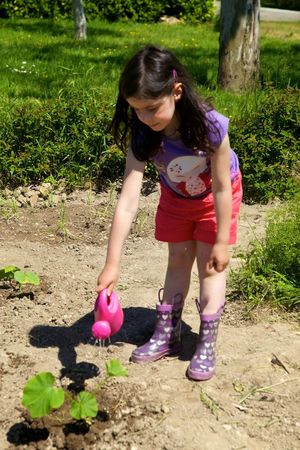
(39, 58)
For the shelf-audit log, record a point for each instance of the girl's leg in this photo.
(212, 283)
(210, 306)
(178, 275)
(166, 339)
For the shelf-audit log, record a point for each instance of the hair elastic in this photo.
(174, 74)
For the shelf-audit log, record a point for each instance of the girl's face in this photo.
(159, 113)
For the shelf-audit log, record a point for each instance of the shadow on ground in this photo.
(138, 327)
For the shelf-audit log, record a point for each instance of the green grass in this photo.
(39, 58)
(270, 269)
(280, 46)
(57, 94)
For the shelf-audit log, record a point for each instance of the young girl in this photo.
(160, 118)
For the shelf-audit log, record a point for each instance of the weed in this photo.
(8, 208)
(209, 402)
(90, 196)
(238, 386)
(256, 389)
(270, 270)
(141, 224)
(62, 225)
(106, 210)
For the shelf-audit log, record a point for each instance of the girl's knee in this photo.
(180, 258)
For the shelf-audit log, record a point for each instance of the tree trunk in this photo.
(239, 45)
(79, 19)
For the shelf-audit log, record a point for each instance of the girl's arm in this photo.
(221, 187)
(124, 214)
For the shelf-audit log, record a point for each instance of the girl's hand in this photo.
(219, 257)
(108, 278)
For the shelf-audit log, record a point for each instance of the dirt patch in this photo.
(123, 417)
(251, 403)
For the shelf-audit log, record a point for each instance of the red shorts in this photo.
(179, 219)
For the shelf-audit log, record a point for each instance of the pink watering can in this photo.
(108, 315)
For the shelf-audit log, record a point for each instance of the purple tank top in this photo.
(188, 173)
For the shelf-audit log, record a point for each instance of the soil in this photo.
(251, 403)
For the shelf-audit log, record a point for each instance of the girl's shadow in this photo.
(138, 327)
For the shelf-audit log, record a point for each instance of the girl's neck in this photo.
(171, 135)
(172, 130)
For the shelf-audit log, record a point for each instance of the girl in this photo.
(161, 119)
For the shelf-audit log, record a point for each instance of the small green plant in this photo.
(270, 271)
(8, 208)
(209, 402)
(13, 273)
(62, 225)
(84, 406)
(142, 223)
(40, 396)
(115, 369)
(263, 389)
(107, 209)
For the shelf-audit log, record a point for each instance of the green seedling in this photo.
(115, 369)
(7, 273)
(84, 406)
(13, 273)
(26, 278)
(62, 226)
(40, 396)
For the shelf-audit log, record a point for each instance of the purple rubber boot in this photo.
(166, 339)
(202, 365)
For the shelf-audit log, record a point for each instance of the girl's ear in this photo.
(177, 91)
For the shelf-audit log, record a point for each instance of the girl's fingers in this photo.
(110, 289)
(219, 267)
(210, 264)
(216, 265)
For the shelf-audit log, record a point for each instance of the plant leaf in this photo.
(26, 277)
(114, 368)
(7, 273)
(20, 276)
(3, 275)
(33, 278)
(39, 395)
(57, 397)
(84, 406)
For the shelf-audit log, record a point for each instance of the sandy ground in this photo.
(49, 329)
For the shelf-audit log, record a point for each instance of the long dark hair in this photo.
(151, 74)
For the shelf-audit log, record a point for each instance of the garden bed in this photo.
(252, 402)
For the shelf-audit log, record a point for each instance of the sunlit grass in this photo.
(39, 58)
